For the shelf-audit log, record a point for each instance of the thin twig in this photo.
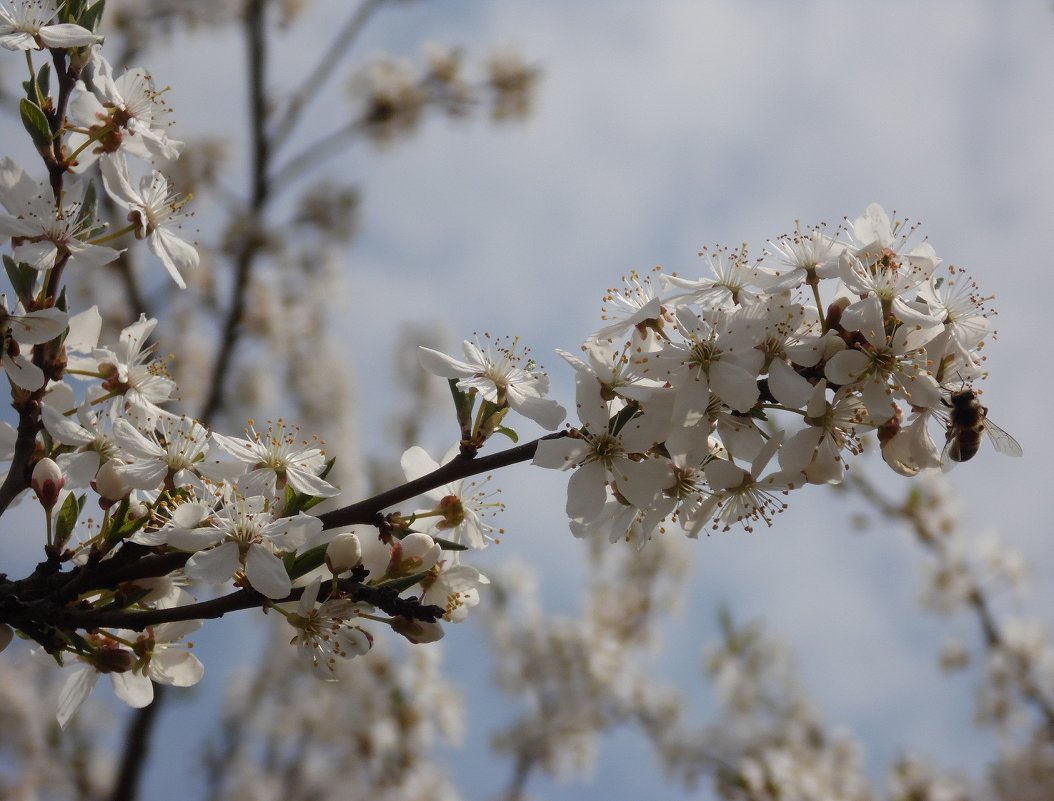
(324, 69)
(457, 468)
(136, 747)
(317, 152)
(993, 635)
(126, 268)
(260, 193)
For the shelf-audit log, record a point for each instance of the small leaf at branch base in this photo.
(35, 123)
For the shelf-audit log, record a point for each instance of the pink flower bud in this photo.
(47, 482)
(343, 553)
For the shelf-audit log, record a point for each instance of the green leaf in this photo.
(36, 123)
(89, 205)
(126, 598)
(449, 545)
(299, 502)
(23, 278)
(508, 432)
(463, 403)
(306, 562)
(758, 414)
(400, 584)
(311, 502)
(67, 517)
(327, 468)
(290, 502)
(624, 416)
(43, 83)
(121, 526)
(90, 17)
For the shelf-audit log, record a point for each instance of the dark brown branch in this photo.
(25, 442)
(256, 39)
(87, 619)
(367, 511)
(45, 601)
(46, 615)
(136, 747)
(28, 406)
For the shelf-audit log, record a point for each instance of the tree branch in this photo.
(136, 747)
(313, 84)
(256, 40)
(994, 638)
(366, 512)
(47, 615)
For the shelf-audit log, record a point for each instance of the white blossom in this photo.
(123, 113)
(499, 378)
(154, 211)
(277, 458)
(27, 26)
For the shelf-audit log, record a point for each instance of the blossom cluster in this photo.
(232, 507)
(235, 509)
(704, 401)
(186, 511)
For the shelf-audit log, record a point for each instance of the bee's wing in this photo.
(1003, 442)
(950, 454)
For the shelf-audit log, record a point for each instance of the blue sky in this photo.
(663, 127)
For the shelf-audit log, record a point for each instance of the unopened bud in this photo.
(417, 631)
(832, 344)
(110, 484)
(343, 553)
(414, 553)
(47, 482)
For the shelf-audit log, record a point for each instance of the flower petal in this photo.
(266, 573)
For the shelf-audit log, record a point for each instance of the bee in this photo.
(967, 419)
